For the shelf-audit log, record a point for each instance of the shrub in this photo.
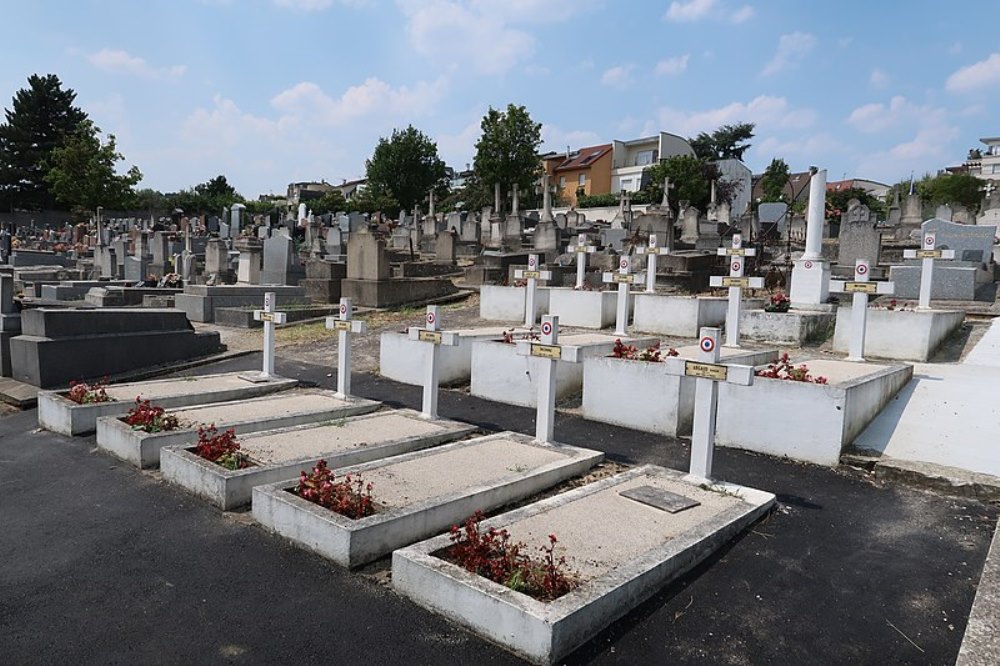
(150, 418)
(85, 394)
(351, 497)
(221, 448)
(777, 303)
(652, 354)
(783, 369)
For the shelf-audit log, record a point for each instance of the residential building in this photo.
(985, 164)
(307, 191)
(872, 187)
(796, 189)
(351, 188)
(631, 158)
(735, 171)
(587, 170)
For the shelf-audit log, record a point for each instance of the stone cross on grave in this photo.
(549, 352)
(623, 278)
(927, 253)
(531, 275)
(581, 249)
(860, 287)
(708, 372)
(345, 326)
(652, 250)
(432, 334)
(270, 317)
(736, 283)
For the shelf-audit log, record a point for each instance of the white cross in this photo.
(582, 249)
(736, 283)
(270, 318)
(532, 275)
(623, 278)
(432, 333)
(860, 287)
(549, 352)
(708, 372)
(345, 326)
(928, 254)
(652, 251)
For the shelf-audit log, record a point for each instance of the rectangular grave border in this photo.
(545, 632)
(59, 414)
(143, 448)
(351, 543)
(230, 489)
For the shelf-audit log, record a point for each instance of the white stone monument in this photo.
(581, 249)
(549, 352)
(624, 278)
(861, 286)
(736, 283)
(345, 325)
(927, 253)
(811, 273)
(432, 334)
(271, 318)
(531, 276)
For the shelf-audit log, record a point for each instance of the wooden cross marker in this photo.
(345, 325)
(736, 283)
(549, 352)
(432, 334)
(582, 249)
(861, 286)
(652, 251)
(928, 252)
(532, 275)
(708, 372)
(623, 278)
(270, 318)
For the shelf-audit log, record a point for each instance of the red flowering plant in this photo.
(777, 303)
(221, 448)
(491, 553)
(784, 369)
(150, 418)
(85, 394)
(893, 304)
(511, 336)
(351, 497)
(652, 354)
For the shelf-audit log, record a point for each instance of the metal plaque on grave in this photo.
(660, 499)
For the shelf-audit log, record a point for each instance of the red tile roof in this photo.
(582, 158)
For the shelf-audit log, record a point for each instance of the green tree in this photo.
(209, 197)
(724, 143)
(953, 188)
(690, 180)
(404, 168)
(330, 202)
(837, 201)
(370, 201)
(81, 173)
(774, 180)
(41, 117)
(506, 153)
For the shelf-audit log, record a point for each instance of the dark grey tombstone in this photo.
(859, 238)
(971, 243)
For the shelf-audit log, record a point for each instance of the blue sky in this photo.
(269, 92)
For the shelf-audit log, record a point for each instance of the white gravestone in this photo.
(927, 254)
(624, 278)
(860, 287)
(549, 352)
(708, 372)
(736, 284)
(581, 249)
(652, 251)
(271, 318)
(531, 275)
(432, 334)
(345, 325)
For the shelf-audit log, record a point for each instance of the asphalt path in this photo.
(103, 564)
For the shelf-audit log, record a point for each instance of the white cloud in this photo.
(697, 10)
(898, 113)
(791, 47)
(672, 66)
(374, 97)
(844, 42)
(114, 60)
(555, 138)
(458, 149)
(743, 14)
(618, 77)
(764, 110)
(809, 148)
(878, 78)
(315, 5)
(976, 76)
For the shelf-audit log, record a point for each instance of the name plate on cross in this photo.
(706, 370)
(861, 287)
(546, 351)
(433, 337)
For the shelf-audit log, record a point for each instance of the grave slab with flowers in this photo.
(272, 456)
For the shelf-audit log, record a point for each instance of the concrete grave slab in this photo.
(282, 410)
(59, 414)
(794, 327)
(905, 335)
(499, 374)
(587, 309)
(422, 494)
(806, 421)
(405, 360)
(624, 551)
(681, 315)
(279, 455)
(507, 303)
(643, 396)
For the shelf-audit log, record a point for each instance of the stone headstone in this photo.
(971, 243)
(281, 262)
(944, 212)
(689, 225)
(658, 223)
(613, 239)
(562, 221)
(453, 222)
(773, 215)
(990, 218)
(470, 231)
(859, 238)
(912, 216)
(367, 258)
(444, 246)
(216, 257)
(547, 237)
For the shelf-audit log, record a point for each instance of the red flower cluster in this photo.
(509, 337)
(150, 418)
(778, 303)
(783, 369)
(652, 354)
(221, 448)
(492, 555)
(85, 394)
(351, 497)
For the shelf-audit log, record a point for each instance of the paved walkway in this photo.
(949, 414)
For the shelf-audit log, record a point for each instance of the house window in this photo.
(626, 184)
(996, 168)
(562, 181)
(582, 180)
(644, 157)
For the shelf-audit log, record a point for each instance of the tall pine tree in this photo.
(40, 119)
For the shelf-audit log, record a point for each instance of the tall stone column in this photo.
(811, 273)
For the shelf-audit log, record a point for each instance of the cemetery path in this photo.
(846, 570)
